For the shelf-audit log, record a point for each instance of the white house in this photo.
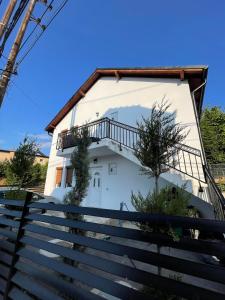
(111, 102)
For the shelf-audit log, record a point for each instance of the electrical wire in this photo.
(38, 23)
(39, 36)
(16, 17)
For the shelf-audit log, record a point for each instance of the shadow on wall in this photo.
(130, 115)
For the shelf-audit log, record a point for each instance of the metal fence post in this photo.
(17, 245)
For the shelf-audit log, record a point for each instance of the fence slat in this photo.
(184, 222)
(184, 243)
(34, 288)
(12, 202)
(16, 294)
(214, 273)
(85, 277)
(56, 282)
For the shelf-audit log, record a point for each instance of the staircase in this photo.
(187, 161)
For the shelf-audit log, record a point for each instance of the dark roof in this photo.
(41, 154)
(195, 75)
(7, 151)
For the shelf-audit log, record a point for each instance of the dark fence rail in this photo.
(38, 259)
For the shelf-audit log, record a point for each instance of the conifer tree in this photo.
(158, 135)
(20, 168)
(80, 164)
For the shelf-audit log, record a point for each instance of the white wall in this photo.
(132, 98)
(116, 188)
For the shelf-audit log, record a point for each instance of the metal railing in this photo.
(186, 159)
(215, 195)
(38, 259)
(103, 128)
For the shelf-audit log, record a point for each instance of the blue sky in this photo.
(113, 33)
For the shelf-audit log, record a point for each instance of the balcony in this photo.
(99, 130)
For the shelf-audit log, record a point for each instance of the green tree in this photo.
(213, 134)
(43, 171)
(171, 200)
(20, 167)
(3, 168)
(158, 135)
(80, 163)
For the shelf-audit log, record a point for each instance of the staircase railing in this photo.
(186, 159)
(215, 195)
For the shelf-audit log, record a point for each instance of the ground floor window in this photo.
(69, 176)
(58, 179)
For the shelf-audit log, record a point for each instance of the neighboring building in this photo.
(40, 158)
(111, 102)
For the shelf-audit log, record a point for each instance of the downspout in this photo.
(197, 116)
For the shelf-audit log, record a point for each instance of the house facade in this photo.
(110, 103)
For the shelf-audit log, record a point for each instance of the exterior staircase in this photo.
(186, 164)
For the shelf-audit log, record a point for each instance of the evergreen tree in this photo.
(213, 134)
(158, 135)
(80, 164)
(20, 167)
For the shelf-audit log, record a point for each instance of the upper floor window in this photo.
(113, 116)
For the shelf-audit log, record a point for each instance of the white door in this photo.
(95, 188)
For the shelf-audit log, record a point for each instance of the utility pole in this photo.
(6, 17)
(6, 74)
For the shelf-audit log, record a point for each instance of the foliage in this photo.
(38, 173)
(80, 163)
(161, 294)
(15, 195)
(213, 134)
(158, 135)
(19, 195)
(3, 168)
(19, 169)
(169, 201)
(43, 172)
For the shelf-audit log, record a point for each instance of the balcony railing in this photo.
(104, 128)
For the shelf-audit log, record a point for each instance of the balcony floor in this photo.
(101, 148)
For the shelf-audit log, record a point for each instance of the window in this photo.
(58, 179)
(69, 176)
(112, 168)
(114, 116)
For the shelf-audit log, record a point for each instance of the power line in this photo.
(27, 96)
(39, 36)
(16, 17)
(49, 7)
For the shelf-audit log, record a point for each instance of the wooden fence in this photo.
(38, 262)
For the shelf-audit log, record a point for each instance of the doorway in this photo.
(95, 188)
